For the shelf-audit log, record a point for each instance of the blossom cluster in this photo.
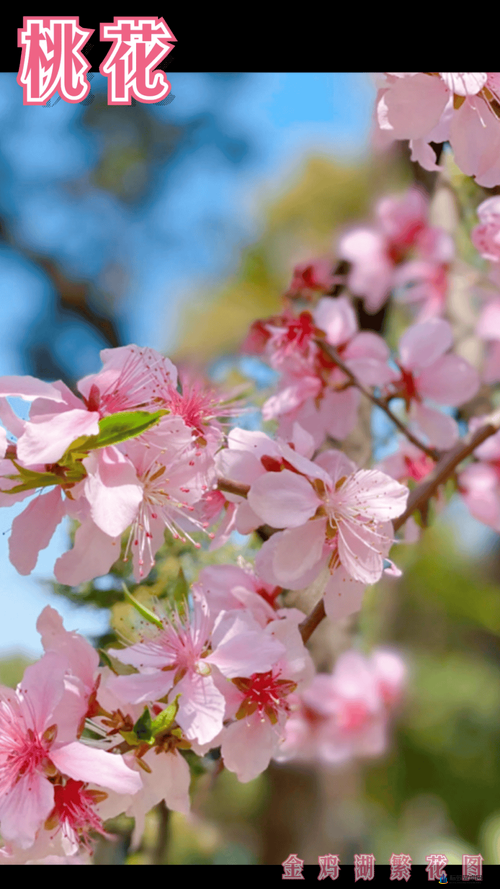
(80, 744)
(141, 451)
(130, 452)
(462, 109)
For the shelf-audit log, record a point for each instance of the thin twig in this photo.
(446, 465)
(225, 484)
(379, 402)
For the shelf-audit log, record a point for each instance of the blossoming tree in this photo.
(144, 452)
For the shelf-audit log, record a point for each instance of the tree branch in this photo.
(379, 402)
(446, 465)
(225, 484)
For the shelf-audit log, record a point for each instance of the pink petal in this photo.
(482, 493)
(245, 654)
(303, 441)
(139, 688)
(41, 690)
(423, 344)
(440, 429)
(85, 763)
(248, 745)
(298, 550)
(412, 106)
(83, 658)
(113, 491)
(28, 388)
(374, 495)
(337, 318)
(92, 556)
(32, 529)
(25, 808)
(450, 380)
(371, 272)
(201, 707)
(475, 139)
(283, 499)
(264, 564)
(362, 551)
(339, 412)
(46, 439)
(423, 154)
(169, 780)
(10, 419)
(343, 595)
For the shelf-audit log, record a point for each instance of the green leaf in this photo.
(105, 658)
(120, 427)
(165, 718)
(142, 728)
(131, 738)
(142, 610)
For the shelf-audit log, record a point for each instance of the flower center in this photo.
(266, 693)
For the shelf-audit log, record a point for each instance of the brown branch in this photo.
(379, 402)
(309, 624)
(446, 465)
(420, 496)
(225, 484)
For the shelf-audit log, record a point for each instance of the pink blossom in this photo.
(38, 730)
(428, 370)
(401, 226)
(132, 378)
(187, 656)
(459, 108)
(312, 277)
(313, 391)
(486, 235)
(345, 714)
(342, 516)
(262, 702)
(479, 483)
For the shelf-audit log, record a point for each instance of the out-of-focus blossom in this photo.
(401, 252)
(311, 278)
(479, 483)
(346, 714)
(488, 328)
(486, 235)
